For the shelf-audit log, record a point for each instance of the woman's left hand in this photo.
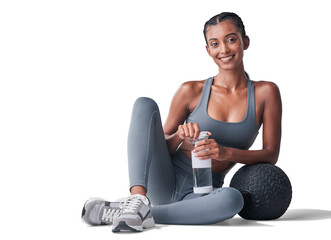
(210, 149)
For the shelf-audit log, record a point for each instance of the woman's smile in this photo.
(226, 45)
(226, 59)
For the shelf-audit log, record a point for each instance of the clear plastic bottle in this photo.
(202, 174)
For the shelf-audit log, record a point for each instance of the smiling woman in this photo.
(226, 44)
(230, 106)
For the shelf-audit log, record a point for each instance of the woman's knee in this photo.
(146, 104)
(230, 199)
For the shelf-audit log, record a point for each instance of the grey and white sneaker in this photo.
(97, 211)
(136, 214)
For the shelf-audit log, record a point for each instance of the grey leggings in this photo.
(168, 177)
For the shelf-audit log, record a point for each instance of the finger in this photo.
(181, 132)
(201, 147)
(196, 130)
(198, 148)
(186, 131)
(201, 143)
(207, 157)
(204, 154)
(205, 144)
(211, 153)
(191, 130)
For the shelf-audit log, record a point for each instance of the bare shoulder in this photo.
(265, 85)
(188, 95)
(266, 89)
(191, 89)
(192, 86)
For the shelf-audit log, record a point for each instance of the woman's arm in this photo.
(175, 130)
(271, 118)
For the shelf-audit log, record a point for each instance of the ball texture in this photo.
(266, 189)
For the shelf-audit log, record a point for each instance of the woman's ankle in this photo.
(138, 190)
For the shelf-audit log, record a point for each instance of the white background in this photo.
(71, 70)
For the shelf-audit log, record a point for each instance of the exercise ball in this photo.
(266, 190)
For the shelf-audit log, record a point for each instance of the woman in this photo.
(230, 107)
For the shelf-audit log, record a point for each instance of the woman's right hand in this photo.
(188, 131)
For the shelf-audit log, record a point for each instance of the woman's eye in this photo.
(231, 40)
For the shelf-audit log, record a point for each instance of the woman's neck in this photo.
(231, 79)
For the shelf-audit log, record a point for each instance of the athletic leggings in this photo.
(168, 177)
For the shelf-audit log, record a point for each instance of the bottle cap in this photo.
(202, 136)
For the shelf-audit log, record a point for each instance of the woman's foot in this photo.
(135, 215)
(97, 211)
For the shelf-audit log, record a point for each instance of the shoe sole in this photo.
(123, 226)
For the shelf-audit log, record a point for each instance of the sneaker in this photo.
(97, 211)
(136, 214)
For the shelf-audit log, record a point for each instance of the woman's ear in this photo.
(246, 42)
(208, 50)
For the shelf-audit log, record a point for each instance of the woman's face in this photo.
(226, 45)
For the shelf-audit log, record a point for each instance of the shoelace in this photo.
(108, 214)
(132, 202)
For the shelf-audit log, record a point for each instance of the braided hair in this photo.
(234, 18)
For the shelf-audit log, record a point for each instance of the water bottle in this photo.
(202, 174)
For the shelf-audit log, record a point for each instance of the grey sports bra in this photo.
(229, 134)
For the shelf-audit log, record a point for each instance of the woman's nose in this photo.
(223, 48)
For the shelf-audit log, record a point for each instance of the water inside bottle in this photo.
(202, 177)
